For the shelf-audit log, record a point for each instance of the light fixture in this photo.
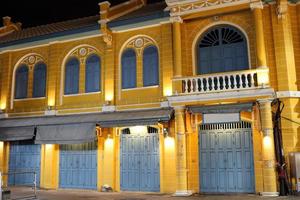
(166, 132)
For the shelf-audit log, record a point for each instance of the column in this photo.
(257, 8)
(181, 159)
(177, 46)
(268, 150)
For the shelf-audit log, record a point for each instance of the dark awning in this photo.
(16, 133)
(66, 134)
(228, 108)
(64, 126)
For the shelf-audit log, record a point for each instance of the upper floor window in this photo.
(150, 66)
(39, 80)
(93, 74)
(21, 82)
(72, 76)
(128, 69)
(222, 49)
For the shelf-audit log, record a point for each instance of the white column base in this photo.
(50, 112)
(183, 193)
(3, 115)
(269, 194)
(108, 108)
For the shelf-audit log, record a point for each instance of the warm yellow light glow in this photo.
(267, 142)
(49, 147)
(263, 77)
(109, 96)
(138, 130)
(1, 146)
(3, 105)
(51, 102)
(109, 142)
(169, 143)
(168, 91)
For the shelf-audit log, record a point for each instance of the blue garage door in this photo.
(78, 166)
(24, 156)
(226, 158)
(140, 161)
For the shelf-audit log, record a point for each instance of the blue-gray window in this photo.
(129, 69)
(21, 82)
(72, 76)
(39, 80)
(93, 74)
(150, 66)
(222, 49)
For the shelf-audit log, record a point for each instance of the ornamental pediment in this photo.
(184, 7)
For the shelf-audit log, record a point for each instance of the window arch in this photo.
(39, 80)
(21, 82)
(221, 49)
(128, 69)
(93, 74)
(72, 76)
(150, 66)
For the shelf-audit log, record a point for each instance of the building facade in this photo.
(169, 97)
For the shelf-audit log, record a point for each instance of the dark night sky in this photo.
(37, 12)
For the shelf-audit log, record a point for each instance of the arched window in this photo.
(150, 66)
(222, 49)
(39, 80)
(129, 69)
(21, 82)
(72, 76)
(93, 74)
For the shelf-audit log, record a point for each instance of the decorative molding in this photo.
(281, 10)
(83, 52)
(288, 94)
(139, 43)
(31, 60)
(176, 19)
(256, 5)
(179, 8)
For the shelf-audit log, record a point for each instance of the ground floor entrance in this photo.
(24, 160)
(78, 166)
(226, 158)
(139, 159)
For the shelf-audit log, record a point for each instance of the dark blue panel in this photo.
(39, 80)
(24, 156)
(93, 74)
(222, 49)
(129, 69)
(78, 166)
(150, 66)
(21, 82)
(140, 162)
(72, 76)
(226, 158)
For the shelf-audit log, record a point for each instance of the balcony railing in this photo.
(221, 82)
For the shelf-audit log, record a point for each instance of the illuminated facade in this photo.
(179, 94)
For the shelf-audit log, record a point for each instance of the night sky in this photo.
(38, 12)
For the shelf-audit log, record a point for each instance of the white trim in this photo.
(12, 95)
(62, 68)
(29, 99)
(288, 94)
(269, 194)
(81, 94)
(206, 28)
(127, 105)
(70, 109)
(254, 93)
(140, 88)
(123, 48)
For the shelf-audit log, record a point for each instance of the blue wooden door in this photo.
(226, 158)
(140, 161)
(24, 157)
(78, 166)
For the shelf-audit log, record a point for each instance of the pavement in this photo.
(21, 192)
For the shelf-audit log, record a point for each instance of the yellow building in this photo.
(168, 97)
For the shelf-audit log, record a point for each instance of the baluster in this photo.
(196, 85)
(234, 82)
(241, 80)
(224, 82)
(252, 79)
(186, 90)
(202, 85)
(218, 82)
(246, 81)
(212, 84)
(192, 85)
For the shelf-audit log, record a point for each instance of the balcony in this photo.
(222, 82)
